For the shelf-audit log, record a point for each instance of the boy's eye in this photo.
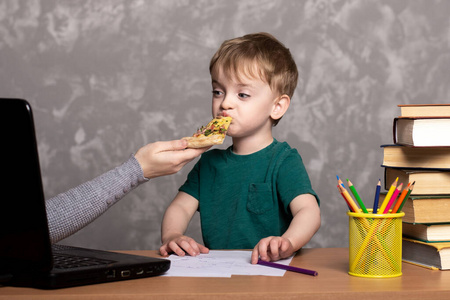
(242, 95)
(217, 93)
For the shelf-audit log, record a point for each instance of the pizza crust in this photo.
(204, 141)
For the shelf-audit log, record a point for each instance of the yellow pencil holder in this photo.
(375, 244)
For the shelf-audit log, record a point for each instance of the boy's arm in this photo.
(305, 223)
(174, 224)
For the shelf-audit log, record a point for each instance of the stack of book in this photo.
(421, 153)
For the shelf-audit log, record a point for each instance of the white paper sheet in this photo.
(220, 263)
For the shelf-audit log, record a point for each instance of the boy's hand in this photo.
(180, 245)
(272, 248)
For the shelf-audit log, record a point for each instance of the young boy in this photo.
(255, 194)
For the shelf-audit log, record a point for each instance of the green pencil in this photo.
(355, 193)
(406, 197)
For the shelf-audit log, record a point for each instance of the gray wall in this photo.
(106, 77)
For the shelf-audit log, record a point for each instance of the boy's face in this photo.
(249, 101)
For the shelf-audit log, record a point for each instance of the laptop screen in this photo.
(24, 239)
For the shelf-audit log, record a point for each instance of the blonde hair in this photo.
(261, 53)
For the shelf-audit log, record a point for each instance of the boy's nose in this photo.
(227, 102)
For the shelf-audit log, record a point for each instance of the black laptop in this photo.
(27, 257)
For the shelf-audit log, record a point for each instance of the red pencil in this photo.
(352, 205)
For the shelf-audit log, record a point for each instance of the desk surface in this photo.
(333, 282)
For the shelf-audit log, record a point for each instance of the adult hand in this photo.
(165, 158)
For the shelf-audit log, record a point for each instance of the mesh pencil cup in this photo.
(375, 244)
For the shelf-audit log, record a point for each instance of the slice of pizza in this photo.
(211, 134)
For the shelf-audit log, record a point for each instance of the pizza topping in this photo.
(218, 126)
(211, 134)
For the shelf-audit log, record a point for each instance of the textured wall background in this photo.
(108, 76)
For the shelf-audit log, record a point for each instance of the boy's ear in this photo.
(280, 107)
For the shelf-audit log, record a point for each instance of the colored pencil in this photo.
(406, 197)
(287, 268)
(348, 199)
(400, 199)
(393, 197)
(339, 181)
(388, 195)
(350, 208)
(377, 197)
(356, 195)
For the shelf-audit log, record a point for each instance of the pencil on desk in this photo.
(355, 193)
(400, 199)
(393, 197)
(339, 181)
(287, 268)
(377, 197)
(388, 195)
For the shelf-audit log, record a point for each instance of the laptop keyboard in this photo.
(68, 261)
(64, 261)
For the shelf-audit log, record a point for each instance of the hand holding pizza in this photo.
(165, 158)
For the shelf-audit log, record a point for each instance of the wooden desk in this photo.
(333, 282)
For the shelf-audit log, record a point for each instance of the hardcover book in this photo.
(398, 156)
(422, 132)
(427, 181)
(429, 255)
(427, 209)
(424, 110)
(427, 232)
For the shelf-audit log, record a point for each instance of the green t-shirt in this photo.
(244, 198)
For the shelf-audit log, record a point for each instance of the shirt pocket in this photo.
(259, 198)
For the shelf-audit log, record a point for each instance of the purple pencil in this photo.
(287, 268)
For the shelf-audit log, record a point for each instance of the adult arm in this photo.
(70, 211)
